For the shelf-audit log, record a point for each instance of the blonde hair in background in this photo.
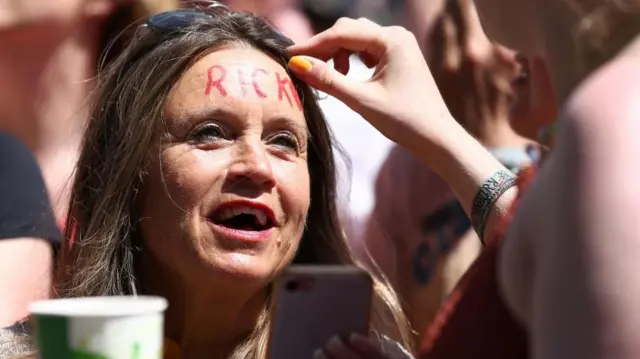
(604, 29)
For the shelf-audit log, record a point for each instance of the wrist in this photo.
(457, 157)
(444, 147)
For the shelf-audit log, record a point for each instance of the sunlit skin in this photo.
(246, 143)
(227, 147)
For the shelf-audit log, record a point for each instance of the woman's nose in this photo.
(252, 164)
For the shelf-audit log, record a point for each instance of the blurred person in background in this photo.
(556, 281)
(535, 107)
(418, 233)
(383, 12)
(28, 233)
(420, 17)
(50, 55)
(284, 15)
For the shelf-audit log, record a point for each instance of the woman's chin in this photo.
(249, 269)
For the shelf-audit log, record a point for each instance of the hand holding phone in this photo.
(357, 346)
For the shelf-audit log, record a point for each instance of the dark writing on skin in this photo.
(442, 229)
(249, 82)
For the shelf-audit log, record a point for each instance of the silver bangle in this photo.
(487, 196)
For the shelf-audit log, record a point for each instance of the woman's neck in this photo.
(43, 97)
(493, 126)
(205, 318)
(211, 324)
(499, 133)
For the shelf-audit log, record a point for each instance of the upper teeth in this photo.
(231, 212)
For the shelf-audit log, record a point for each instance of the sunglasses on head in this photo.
(176, 20)
(183, 18)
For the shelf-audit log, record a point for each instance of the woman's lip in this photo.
(242, 235)
(251, 204)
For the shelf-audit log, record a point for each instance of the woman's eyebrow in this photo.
(282, 122)
(179, 124)
(198, 115)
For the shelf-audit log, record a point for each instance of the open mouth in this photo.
(243, 218)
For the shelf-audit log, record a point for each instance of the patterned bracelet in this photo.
(487, 197)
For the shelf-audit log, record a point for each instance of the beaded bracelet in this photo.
(487, 197)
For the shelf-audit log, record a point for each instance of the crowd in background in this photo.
(402, 219)
(45, 103)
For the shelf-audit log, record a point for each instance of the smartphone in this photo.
(311, 304)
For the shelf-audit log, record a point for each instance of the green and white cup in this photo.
(99, 327)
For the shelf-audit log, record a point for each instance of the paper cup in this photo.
(99, 327)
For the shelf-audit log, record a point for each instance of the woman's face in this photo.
(228, 194)
(535, 106)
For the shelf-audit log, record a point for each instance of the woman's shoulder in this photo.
(607, 102)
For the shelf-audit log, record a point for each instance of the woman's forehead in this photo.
(237, 74)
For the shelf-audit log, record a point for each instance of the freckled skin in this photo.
(232, 146)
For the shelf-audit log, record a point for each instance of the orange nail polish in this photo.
(300, 64)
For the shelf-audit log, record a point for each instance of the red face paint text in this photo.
(249, 84)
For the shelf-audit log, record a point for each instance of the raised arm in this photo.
(25, 276)
(402, 101)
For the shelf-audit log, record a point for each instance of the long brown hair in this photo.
(103, 217)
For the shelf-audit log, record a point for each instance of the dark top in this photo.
(25, 210)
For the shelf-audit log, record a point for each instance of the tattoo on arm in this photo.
(447, 224)
(422, 263)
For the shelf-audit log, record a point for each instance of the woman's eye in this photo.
(285, 141)
(208, 133)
